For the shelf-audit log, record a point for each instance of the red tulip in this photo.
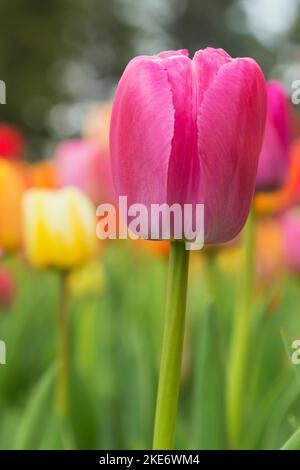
(190, 131)
(12, 143)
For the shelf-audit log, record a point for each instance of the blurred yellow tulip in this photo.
(12, 187)
(58, 228)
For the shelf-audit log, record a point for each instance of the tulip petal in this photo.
(142, 128)
(183, 170)
(274, 157)
(231, 119)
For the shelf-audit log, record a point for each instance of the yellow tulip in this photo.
(12, 186)
(58, 228)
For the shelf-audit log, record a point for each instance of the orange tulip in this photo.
(269, 249)
(12, 186)
(278, 201)
(41, 175)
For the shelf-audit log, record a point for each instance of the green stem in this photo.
(293, 443)
(240, 338)
(63, 350)
(169, 380)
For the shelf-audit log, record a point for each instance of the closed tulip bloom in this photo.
(190, 131)
(274, 157)
(12, 186)
(58, 228)
(82, 163)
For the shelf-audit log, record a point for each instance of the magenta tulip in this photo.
(81, 163)
(190, 131)
(274, 157)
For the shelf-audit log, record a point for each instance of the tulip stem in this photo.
(170, 368)
(240, 338)
(63, 349)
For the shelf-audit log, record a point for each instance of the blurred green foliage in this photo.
(115, 348)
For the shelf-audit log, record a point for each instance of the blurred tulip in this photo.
(41, 175)
(81, 163)
(58, 228)
(159, 248)
(7, 288)
(275, 202)
(274, 157)
(177, 136)
(12, 143)
(290, 224)
(96, 125)
(269, 250)
(12, 186)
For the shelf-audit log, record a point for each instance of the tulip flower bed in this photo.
(134, 343)
(116, 326)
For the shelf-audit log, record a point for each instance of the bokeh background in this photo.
(60, 59)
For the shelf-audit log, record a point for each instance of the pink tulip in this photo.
(291, 239)
(190, 131)
(274, 156)
(81, 163)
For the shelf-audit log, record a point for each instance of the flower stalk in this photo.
(240, 338)
(63, 349)
(169, 380)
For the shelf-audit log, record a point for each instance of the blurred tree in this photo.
(40, 41)
(58, 56)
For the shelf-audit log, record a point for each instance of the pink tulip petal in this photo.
(142, 129)
(274, 156)
(230, 125)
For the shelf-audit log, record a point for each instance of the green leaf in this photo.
(293, 443)
(34, 419)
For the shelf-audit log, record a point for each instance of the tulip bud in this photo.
(189, 131)
(58, 228)
(274, 156)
